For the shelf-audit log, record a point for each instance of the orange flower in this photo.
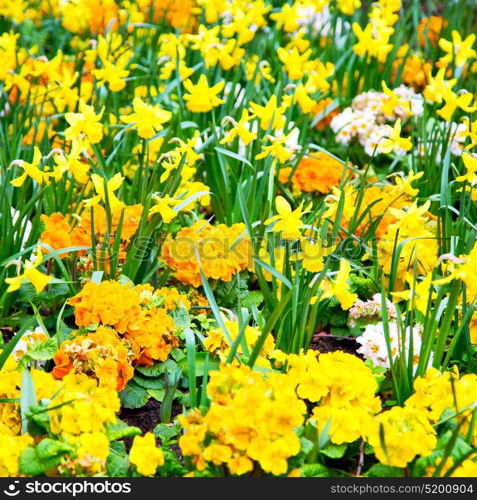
(316, 172)
(100, 354)
(319, 108)
(57, 232)
(135, 312)
(177, 13)
(431, 28)
(223, 252)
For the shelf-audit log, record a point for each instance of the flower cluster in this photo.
(139, 314)
(219, 252)
(251, 420)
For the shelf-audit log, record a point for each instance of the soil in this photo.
(146, 418)
(325, 342)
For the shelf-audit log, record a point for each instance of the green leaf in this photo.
(149, 382)
(254, 298)
(133, 396)
(334, 450)
(157, 369)
(181, 317)
(44, 457)
(117, 464)
(199, 364)
(166, 432)
(120, 430)
(380, 470)
(27, 398)
(315, 470)
(157, 394)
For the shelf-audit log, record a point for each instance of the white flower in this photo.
(374, 346)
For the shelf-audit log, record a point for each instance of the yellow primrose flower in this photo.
(288, 221)
(145, 455)
(395, 142)
(147, 119)
(457, 50)
(30, 170)
(112, 185)
(31, 274)
(454, 101)
(202, 98)
(84, 125)
(339, 287)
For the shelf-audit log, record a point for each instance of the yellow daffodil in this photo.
(339, 287)
(395, 142)
(163, 206)
(112, 185)
(277, 148)
(418, 293)
(240, 129)
(30, 170)
(436, 86)
(147, 119)
(84, 125)
(288, 222)
(269, 115)
(31, 274)
(454, 101)
(393, 101)
(470, 162)
(294, 63)
(202, 98)
(312, 255)
(112, 74)
(457, 50)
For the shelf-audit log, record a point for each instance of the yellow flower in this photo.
(339, 287)
(93, 450)
(399, 434)
(470, 162)
(241, 130)
(288, 221)
(112, 185)
(393, 101)
(31, 274)
(312, 255)
(164, 207)
(112, 74)
(395, 142)
(457, 51)
(147, 119)
(145, 455)
(294, 63)
(418, 294)
(84, 125)
(30, 170)
(270, 114)
(202, 98)
(454, 101)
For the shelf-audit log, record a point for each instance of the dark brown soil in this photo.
(324, 342)
(146, 418)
